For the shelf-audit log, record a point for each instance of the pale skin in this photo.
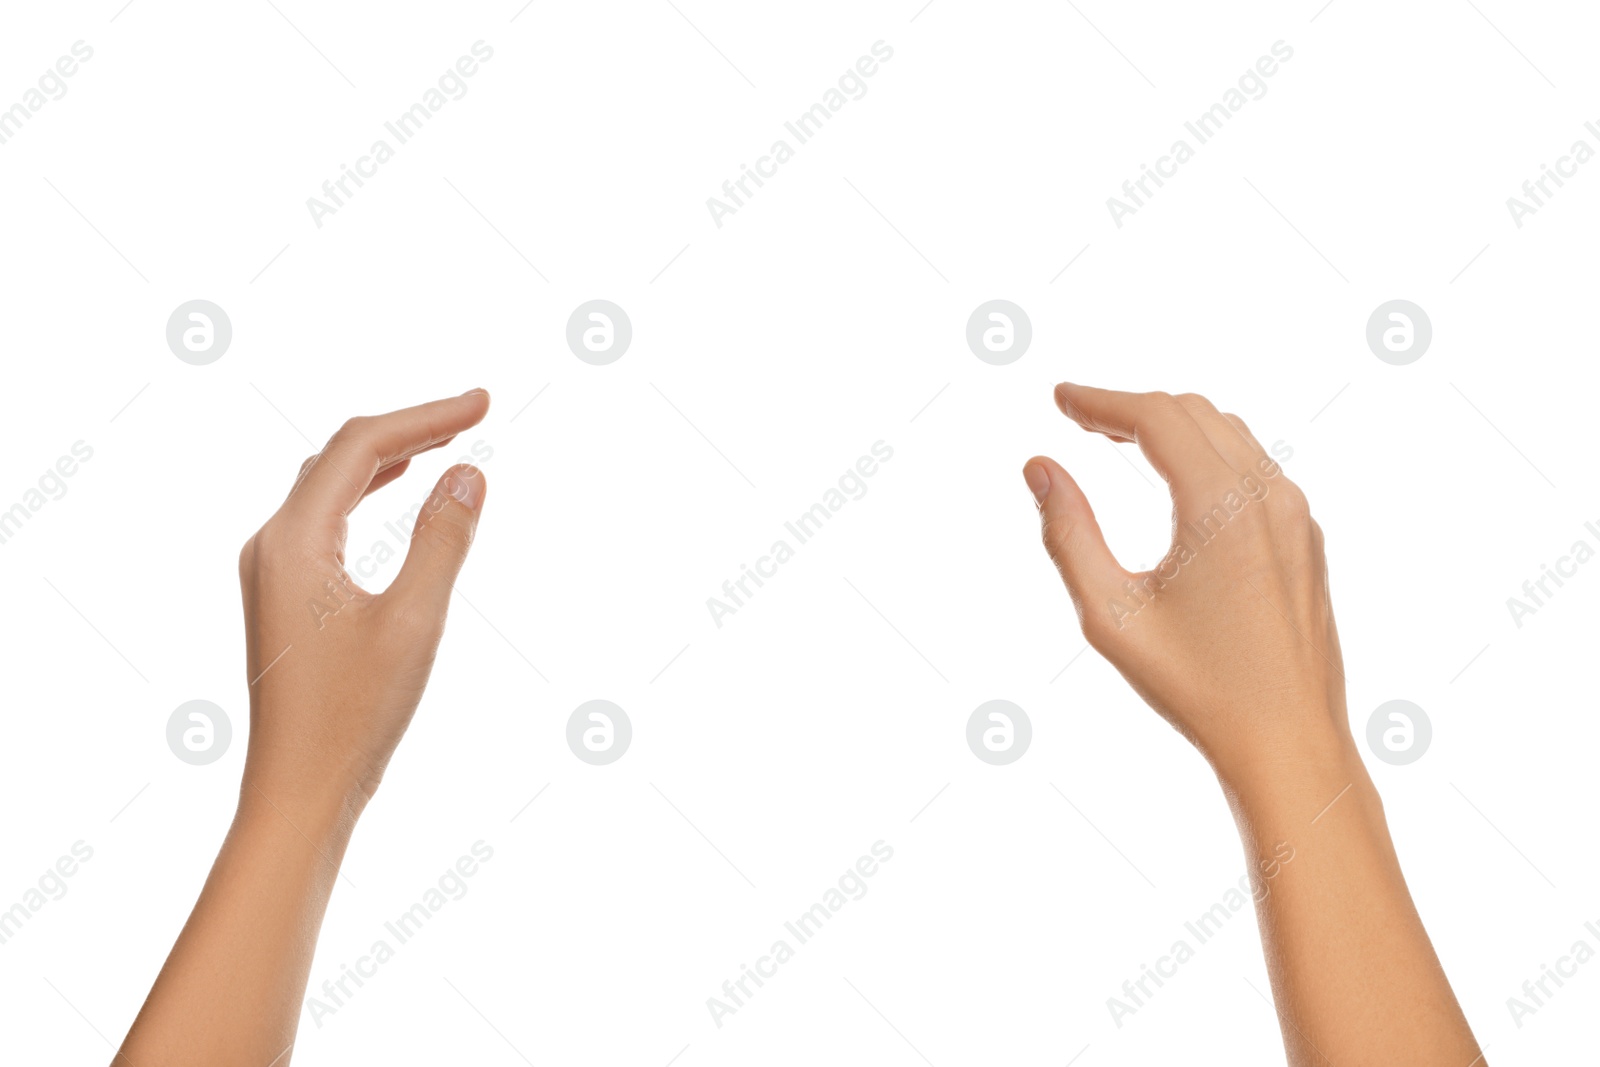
(1231, 639)
(336, 674)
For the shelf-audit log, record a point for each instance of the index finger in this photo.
(365, 445)
(1158, 422)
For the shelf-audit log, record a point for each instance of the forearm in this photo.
(231, 989)
(323, 724)
(1354, 976)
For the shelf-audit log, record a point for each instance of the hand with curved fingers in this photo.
(1231, 638)
(335, 675)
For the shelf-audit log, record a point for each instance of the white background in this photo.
(827, 314)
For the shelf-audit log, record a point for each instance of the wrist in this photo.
(1318, 753)
(322, 812)
(1295, 788)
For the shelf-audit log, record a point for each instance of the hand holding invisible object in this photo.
(335, 675)
(1231, 639)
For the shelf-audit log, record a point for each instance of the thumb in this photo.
(441, 539)
(1072, 536)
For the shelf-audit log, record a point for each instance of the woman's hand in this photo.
(337, 672)
(1231, 636)
(335, 675)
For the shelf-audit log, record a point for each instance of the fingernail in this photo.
(1064, 401)
(1038, 480)
(475, 392)
(466, 486)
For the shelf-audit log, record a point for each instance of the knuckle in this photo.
(269, 539)
(352, 428)
(247, 556)
(268, 552)
(445, 530)
(272, 546)
(1162, 406)
(443, 510)
(1293, 505)
(1170, 405)
(1099, 628)
(305, 469)
(1056, 535)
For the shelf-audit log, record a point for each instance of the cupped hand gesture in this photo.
(336, 672)
(1231, 636)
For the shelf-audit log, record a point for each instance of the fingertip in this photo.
(1063, 393)
(465, 484)
(1064, 493)
(481, 400)
(1037, 475)
(1071, 534)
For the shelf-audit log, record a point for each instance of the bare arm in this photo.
(1231, 639)
(338, 673)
